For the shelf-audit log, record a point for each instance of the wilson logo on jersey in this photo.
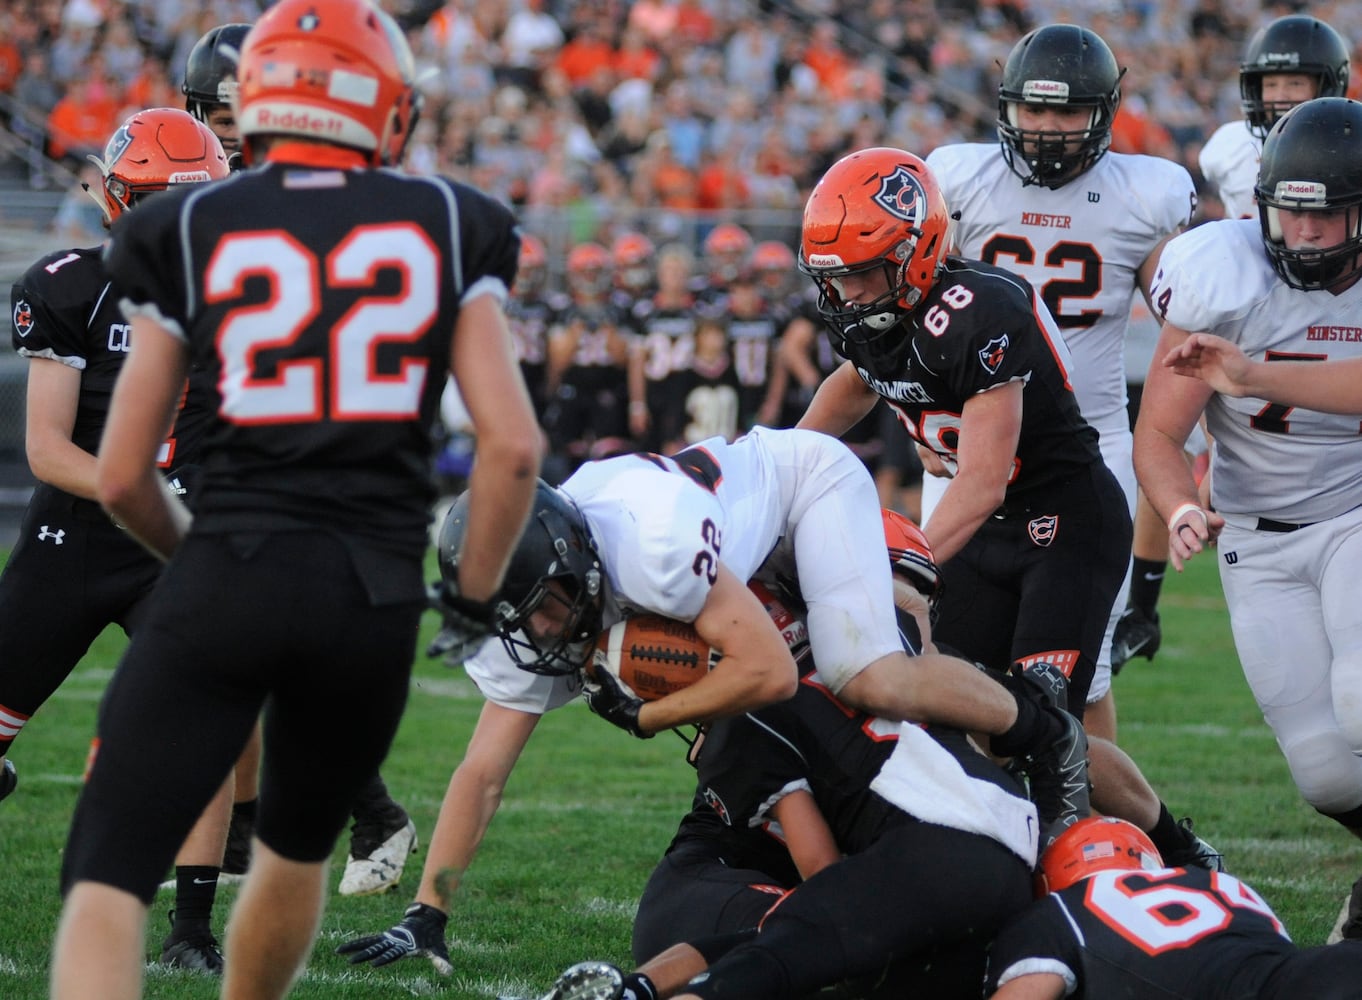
(901, 195)
(992, 354)
(23, 318)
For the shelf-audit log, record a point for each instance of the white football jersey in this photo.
(1285, 463)
(1080, 246)
(1229, 161)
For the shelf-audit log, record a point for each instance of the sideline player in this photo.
(1085, 227)
(1285, 479)
(324, 300)
(70, 558)
(210, 84)
(1118, 922)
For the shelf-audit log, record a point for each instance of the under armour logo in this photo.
(44, 533)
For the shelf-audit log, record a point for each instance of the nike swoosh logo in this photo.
(1151, 577)
(205, 881)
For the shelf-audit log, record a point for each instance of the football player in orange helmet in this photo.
(1117, 921)
(69, 327)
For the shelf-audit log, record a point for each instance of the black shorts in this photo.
(692, 894)
(1328, 972)
(1039, 579)
(920, 889)
(240, 622)
(70, 575)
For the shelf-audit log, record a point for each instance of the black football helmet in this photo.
(210, 70)
(1060, 64)
(1297, 43)
(1312, 161)
(556, 548)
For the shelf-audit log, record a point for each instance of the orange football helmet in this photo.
(339, 71)
(727, 249)
(876, 209)
(152, 150)
(774, 264)
(1093, 845)
(632, 254)
(911, 554)
(588, 270)
(531, 265)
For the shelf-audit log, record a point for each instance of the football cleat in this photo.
(237, 856)
(197, 952)
(588, 981)
(378, 852)
(1348, 926)
(1137, 634)
(1193, 852)
(9, 778)
(1058, 778)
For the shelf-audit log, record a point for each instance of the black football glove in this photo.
(420, 932)
(465, 625)
(613, 700)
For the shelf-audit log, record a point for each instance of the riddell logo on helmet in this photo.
(825, 260)
(1045, 91)
(1300, 191)
(1279, 59)
(295, 121)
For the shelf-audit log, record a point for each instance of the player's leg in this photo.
(1138, 632)
(344, 652)
(381, 838)
(191, 943)
(117, 920)
(236, 856)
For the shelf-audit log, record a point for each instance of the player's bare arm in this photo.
(502, 482)
(757, 667)
(140, 416)
(1331, 387)
(1171, 407)
(990, 426)
(840, 403)
(53, 396)
(807, 835)
(1037, 986)
(472, 799)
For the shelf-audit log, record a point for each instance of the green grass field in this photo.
(589, 810)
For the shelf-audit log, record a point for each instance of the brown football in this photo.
(655, 656)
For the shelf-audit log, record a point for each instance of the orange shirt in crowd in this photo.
(82, 122)
(580, 58)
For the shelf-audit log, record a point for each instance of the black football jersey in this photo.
(977, 328)
(701, 402)
(65, 308)
(322, 304)
(705, 830)
(812, 741)
(1170, 933)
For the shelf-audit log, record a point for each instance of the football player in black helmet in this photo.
(1281, 288)
(1074, 70)
(1293, 59)
(210, 83)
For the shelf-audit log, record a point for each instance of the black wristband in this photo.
(426, 914)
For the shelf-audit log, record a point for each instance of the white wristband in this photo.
(1177, 514)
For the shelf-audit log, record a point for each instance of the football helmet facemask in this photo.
(531, 266)
(1297, 43)
(588, 270)
(1095, 844)
(1066, 66)
(876, 209)
(1311, 162)
(340, 72)
(152, 150)
(555, 562)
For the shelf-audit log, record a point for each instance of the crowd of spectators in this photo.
(662, 115)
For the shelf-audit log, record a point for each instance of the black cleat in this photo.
(1058, 777)
(9, 778)
(1194, 852)
(197, 951)
(1348, 926)
(1137, 634)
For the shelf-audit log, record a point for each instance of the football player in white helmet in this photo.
(1285, 477)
